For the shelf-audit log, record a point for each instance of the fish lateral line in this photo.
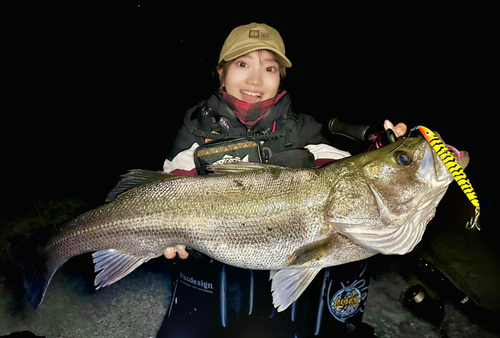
(140, 219)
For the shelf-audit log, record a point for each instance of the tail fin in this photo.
(36, 270)
(37, 276)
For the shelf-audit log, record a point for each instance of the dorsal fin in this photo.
(135, 178)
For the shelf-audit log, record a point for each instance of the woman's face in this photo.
(253, 77)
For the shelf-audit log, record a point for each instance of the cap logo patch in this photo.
(260, 34)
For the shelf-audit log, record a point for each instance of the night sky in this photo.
(94, 98)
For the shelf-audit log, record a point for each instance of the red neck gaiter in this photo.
(250, 113)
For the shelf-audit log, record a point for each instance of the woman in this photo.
(214, 300)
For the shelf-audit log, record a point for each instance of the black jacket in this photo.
(214, 300)
(281, 129)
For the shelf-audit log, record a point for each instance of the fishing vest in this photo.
(280, 147)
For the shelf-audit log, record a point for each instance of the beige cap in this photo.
(248, 38)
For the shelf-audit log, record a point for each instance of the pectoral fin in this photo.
(114, 265)
(288, 284)
(314, 252)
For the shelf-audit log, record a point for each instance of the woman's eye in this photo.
(271, 69)
(241, 64)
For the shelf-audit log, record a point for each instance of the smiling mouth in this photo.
(251, 97)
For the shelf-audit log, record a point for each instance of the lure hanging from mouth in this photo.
(456, 171)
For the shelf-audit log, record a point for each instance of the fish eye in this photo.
(402, 158)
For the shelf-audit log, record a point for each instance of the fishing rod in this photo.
(361, 132)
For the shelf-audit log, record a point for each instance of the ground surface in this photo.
(136, 306)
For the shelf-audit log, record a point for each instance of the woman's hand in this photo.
(400, 129)
(171, 251)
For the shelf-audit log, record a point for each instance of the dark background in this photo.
(91, 92)
(92, 96)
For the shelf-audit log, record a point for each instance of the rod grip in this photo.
(358, 132)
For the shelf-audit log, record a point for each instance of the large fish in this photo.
(293, 222)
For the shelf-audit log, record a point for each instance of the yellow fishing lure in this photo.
(456, 171)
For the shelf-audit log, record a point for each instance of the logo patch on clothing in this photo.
(260, 34)
(347, 301)
(196, 284)
(224, 122)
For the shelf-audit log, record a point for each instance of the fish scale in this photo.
(256, 216)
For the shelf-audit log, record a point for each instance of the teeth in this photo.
(250, 93)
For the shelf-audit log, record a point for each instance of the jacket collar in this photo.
(216, 108)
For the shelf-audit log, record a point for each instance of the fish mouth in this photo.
(462, 157)
(399, 234)
(428, 172)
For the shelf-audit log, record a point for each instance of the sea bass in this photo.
(293, 222)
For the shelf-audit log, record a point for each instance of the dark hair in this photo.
(224, 66)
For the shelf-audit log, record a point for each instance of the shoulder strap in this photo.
(288, 129)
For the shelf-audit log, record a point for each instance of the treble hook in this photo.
(474, 221)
